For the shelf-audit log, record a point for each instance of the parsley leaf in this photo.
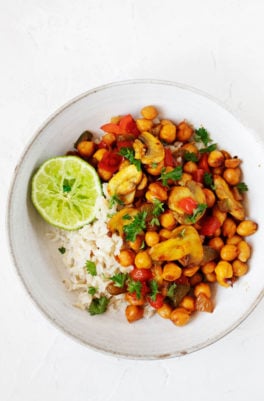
(129, 154)
(157, 210)
(127, 217)
(171, 290)
(92, 290)
(154, 165)
(242, 187)
(200, 208)
(114, 200)
(135, 286)
(91, 267)
(175, 175)
(62, 250)
(98, 306)
(208, 180)
(154, 290)
(202, 135)
(119, 279)
(209, 148)
(136, 226)
(190, 156)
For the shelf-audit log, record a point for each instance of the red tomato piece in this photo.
(158, 302)
(112, 128)
(169, 160)
(141, 274)
(209, 225)
(183, 280)
(102, 145)
(110, 162)
(128, 125)
(188, 205)
(198, 175)
(124, 144)
(203, 162)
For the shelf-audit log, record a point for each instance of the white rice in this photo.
(91, 243)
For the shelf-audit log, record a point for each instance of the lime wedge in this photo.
(65, 190)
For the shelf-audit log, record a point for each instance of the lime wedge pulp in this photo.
(65, 190)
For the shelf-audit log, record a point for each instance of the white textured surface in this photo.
(50, 52)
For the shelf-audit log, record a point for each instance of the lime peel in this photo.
(65, 191)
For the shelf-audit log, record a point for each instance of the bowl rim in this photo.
(15, 263)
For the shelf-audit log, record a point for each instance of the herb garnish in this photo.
(171, 290)
(119, 279)
(157, 210)
(200, 209)
(202, 135)
(127, 217)
(114, 199)
(62, 250)
(135, 286)
(209, 148)
(136, 226)
(92, 290)
(154, 290)
(182, 233)
(242, 187)
(190, 156)
(129, 154)
(208, 180)
(98, 306)
(91, 267)
(175, 175)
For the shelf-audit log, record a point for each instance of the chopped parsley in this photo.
(127, 217)
(154, 290)
(62, 250)
(98, 306)
(157, 210)
(242, 187)
(129, 154)
(92, 290)
(208, 180)
(135, 287)
(202, 135)
(119, 279)
(209, 148)
(136, 226)
(199, 210)
(154, 165)
(171, 290)
(190, 157)
(114, 199)
(175, 175)
(91, 267)
(182, 233)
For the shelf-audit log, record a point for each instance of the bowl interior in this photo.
(38, 260)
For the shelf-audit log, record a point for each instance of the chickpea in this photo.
(156, 191)
(151, 238)
(244, 251)
(196, 279)
(210, 277)
(171, 272)
(218, 170)
(184, 179)
(167, 220)
(209, 197)
(190, 167)
(126, 257)
(232, 163)
(86, 148)
(232, 175)
(239, 268)
(134, 313)
(229, 252)
(216, 243)
(188, 303)
(234, 240)
(218, 232)
(246, 227)
(104, 174)
(98, 155)
(123, 164)
(165, 311)
(202, 288)
(137, 244)
(189, 147)
(229, 227)
(168, 133)
(149, 112)
(109, 139)
(165, 234)
(144, 124)
(185, 132)
(216, 158)
(208, 267)
(134, 300)
(143, 260)
(190, 271)
(221, 216)
(223, 272)
(180, 316)
(155, 168)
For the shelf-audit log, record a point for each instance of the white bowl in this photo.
(38, 263)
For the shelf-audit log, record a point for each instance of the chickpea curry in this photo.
(178, 208)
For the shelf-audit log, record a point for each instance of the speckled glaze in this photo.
(37, 260)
